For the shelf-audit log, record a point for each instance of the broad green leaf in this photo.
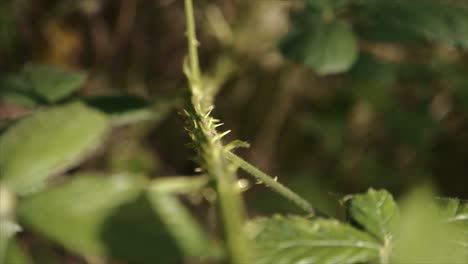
(37, 84)
(188, 234)
(14, 88)
(410, 20)
(299, 240)
(47, 143)
(327, 47)
(95, 215)
(376, 212)
(53, 83)
(424, 236)
(17, 254)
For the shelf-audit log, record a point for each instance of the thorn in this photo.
(224, 134)
(210, 122)
(198, 169)
(275, 178)
(218, 125)
(208, 112)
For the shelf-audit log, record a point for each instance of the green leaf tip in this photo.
(376, 212)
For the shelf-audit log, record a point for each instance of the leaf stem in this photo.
(271, 182)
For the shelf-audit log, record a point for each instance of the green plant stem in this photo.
(211, 154)
(271, 182)
(192, 39)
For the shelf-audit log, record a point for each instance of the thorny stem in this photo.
(211, 155)
(271, 182)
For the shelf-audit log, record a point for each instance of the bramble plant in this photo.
(103, 216)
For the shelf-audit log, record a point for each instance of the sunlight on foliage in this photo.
(47, 143)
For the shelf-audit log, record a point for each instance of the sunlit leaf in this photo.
(104, 216)
(375, 211)
(299, 240)
(424, 235)
(16, 253)
(48, 142)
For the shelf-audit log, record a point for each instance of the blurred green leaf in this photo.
(410, 20)
(39, 84)
(327, 47)
(95, 215)
(300, 240)
(16, 254)
(48, 142)
(188, 234)
(423, 235)
(377, 212)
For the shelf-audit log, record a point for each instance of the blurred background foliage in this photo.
(334, 96)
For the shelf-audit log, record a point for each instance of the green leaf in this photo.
(300, 240)
(38, 84)
(377, 212)
(424, 235)
(95, 215)
(17, 254)
(407, 21)
(327, 47)
(47, 143)
(188, 234)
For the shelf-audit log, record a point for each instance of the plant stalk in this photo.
(211, 154)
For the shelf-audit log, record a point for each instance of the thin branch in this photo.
(271, 182)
